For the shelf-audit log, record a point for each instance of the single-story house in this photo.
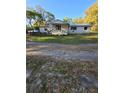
(58, 27)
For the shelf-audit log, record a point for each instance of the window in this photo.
(58, 27)
(45, 29)
(73, 28)
(85, 28)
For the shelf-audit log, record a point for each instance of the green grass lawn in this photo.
(69, 39)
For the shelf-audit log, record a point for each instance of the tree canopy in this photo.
(67, 19)
(38, 16)
(33, 17)
(79, 20)
(90, 17)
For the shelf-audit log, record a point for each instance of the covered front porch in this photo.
(58, 28)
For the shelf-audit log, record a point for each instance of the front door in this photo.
(58, 27)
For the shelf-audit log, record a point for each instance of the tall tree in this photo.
(30, 15)
(47, 16)
(41, 11)
(67, 19)
(79, 20)
(92, 16)
(38, 17)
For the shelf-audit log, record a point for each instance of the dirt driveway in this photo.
(60, 68)
(83, 52)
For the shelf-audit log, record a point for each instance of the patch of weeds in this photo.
(71, 71)
(65, 90)
(44, 89)
(61, 69)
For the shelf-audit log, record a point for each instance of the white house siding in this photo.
(86, 31)
(79, 30)
(36, 30)
(42, 30)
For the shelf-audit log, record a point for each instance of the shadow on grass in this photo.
(69, 39)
